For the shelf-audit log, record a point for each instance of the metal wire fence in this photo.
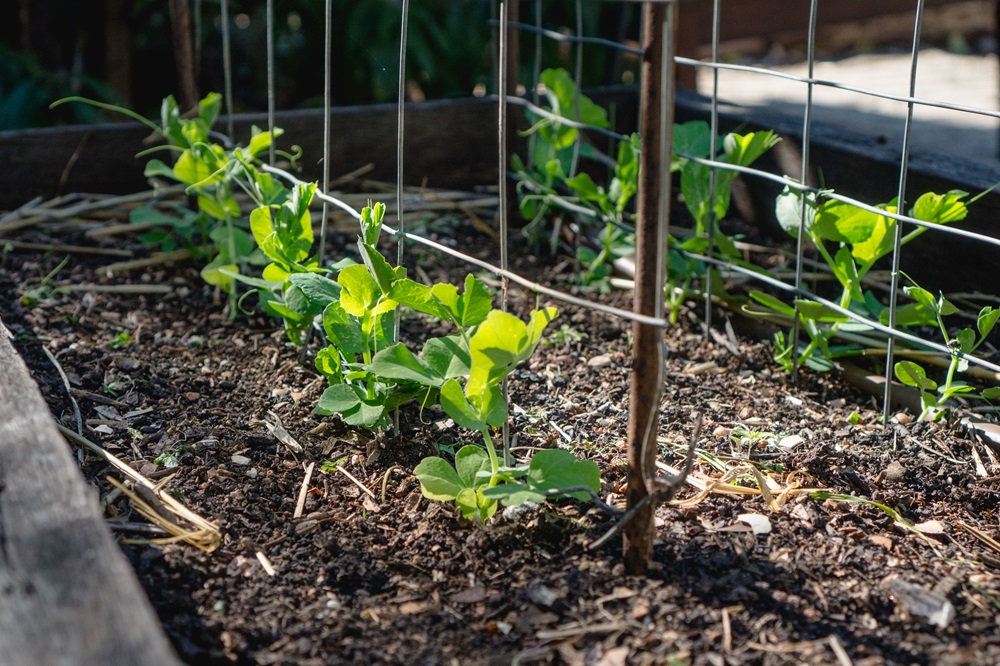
(801, 182)
(655, 194)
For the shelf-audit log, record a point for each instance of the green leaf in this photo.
(829, 217)
(158, 168)
(339, 398)
(299, 303)
(846, 272)
(379, 268)
(819, 364)
(922, 296)
(585, 187)
(400, 364)
(945, 307)
(344, 330)
(448, 356)
(992, 393)
(725, 245)
(772, 302)
(878, 240)
(491, 405)
(911, 314)
(218, 274)
(473, 505)
(417, 297)
(371, 223)
(328, 364)
(495, 346)
(537, 321)
(940, 208)
(966, 340)
(319, 290)
(986, 320)
(788, 210)
(261, 223)
(191, 170)
(360, 292)
(438, 479)
(470, 461)
(911, 374)
(209, 107)
(212, 207)
(819, 312)
(471, 308)
(744, 150)
(564, 100)
(956, 388)
(276, 273)
(457, 406)
(692, 138)
(550, 470)
(261, 141)
(554, 469)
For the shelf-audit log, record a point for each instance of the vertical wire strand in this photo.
(399, 135)
(806, 138)
(578, 80)
(197, 36)
(404, 22)
(327, 53)
(270, 78)
(667, 99)
(502, 150)
(536, 75)
(227, 67)
(901, 208)
(713, 147)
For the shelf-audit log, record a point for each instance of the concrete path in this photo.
(970, 80)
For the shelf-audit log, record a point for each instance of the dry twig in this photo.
(205, 535)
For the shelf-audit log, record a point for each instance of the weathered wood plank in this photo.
(768, 18)
(67, 595)
(450, 143)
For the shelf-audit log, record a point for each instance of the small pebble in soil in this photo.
(895, 472)
(519, 512)
(599, 361)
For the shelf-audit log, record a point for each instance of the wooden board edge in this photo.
(68, 597)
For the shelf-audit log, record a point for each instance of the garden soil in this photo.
(373, 573)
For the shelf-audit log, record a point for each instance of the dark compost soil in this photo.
(392, 578)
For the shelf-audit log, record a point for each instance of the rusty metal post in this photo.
(656, 123)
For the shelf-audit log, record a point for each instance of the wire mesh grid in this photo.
(800, 183)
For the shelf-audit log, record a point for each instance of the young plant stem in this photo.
(233, 310)
(492, 453)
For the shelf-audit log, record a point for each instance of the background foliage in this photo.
(121, 51)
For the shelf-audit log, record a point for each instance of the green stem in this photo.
(494, 461)
(232, 257)
(370, 384)
(111, 107)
